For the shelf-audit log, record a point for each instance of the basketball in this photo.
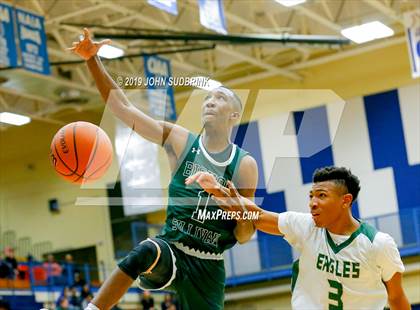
(81, 152)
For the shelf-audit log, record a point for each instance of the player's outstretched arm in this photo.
(396, 295)
(147, 127)
(267, 221)
(229, 199)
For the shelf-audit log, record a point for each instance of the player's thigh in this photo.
(200, 283)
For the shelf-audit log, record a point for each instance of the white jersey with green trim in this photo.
(339, 272)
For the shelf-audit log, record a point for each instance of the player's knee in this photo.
(139, 259)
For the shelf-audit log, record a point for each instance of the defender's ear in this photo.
(348, 199)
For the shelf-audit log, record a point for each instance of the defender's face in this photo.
(216, 106)
(326, 201)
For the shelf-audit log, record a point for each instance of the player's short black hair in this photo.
(235, 98)
(339, 175)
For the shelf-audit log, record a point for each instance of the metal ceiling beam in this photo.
(60, 81)
(327, 10)
(376, 4)
(256, 61)
(77, 13)
(315, 62)
(127, 62)
(38, 7)
(3, 103)
(306, 52)
(129, 15)
(287, 73)
(325, 59)
(250, 25)
(156, 23)
(18, 93)
(318, 18)
(348, 53)
(60, 41)
(228, 39)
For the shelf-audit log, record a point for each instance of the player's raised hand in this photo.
(207, 181)
(233, 201)
(86, 47)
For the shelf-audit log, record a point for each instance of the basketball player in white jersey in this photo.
(344, 263)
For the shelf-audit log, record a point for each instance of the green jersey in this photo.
(185, 224)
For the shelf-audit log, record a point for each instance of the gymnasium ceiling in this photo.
(70, 88)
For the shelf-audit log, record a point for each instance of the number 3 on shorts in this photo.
(335, 295)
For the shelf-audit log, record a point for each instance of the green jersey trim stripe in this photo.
(368, 231)
(364, 229)
(295, 273)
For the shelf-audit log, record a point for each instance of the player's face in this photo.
(326, 201)
(217, 106)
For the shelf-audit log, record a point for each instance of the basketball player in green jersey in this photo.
(344, 263)
(187, 255)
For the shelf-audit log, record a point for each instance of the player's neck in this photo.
(344, 226)
(215, 141)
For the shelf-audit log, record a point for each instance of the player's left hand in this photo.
(86, 47)
(208, 182)
(228, 199)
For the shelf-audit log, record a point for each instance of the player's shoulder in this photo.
(369, 232)
(291, 218)
(249, 162)
(376, 238)
(383, 240)
(247, 176)
(380, 242)
(174, 135)
(296, 226)
(300, 216)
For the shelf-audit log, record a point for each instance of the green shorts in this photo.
(199, 283)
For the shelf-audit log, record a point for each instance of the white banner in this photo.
(412, 24)
(139, 172)
(212, 16)
(169, 6)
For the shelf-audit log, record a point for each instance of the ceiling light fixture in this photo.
(367, 32)
(14, 119)
(290, 2)
(110, 52)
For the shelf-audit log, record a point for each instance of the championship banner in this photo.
(8, 53)
(212, 16)
(169, 6)
(159, 90)
(412, 24)
(32, 42)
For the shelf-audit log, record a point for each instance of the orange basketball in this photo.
(81, 152)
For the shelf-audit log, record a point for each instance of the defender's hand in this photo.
(87, 48)
(232, 201)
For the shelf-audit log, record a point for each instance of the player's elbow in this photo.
(242, 240)
(245, 233)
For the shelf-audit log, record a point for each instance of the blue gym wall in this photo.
(378, 138)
